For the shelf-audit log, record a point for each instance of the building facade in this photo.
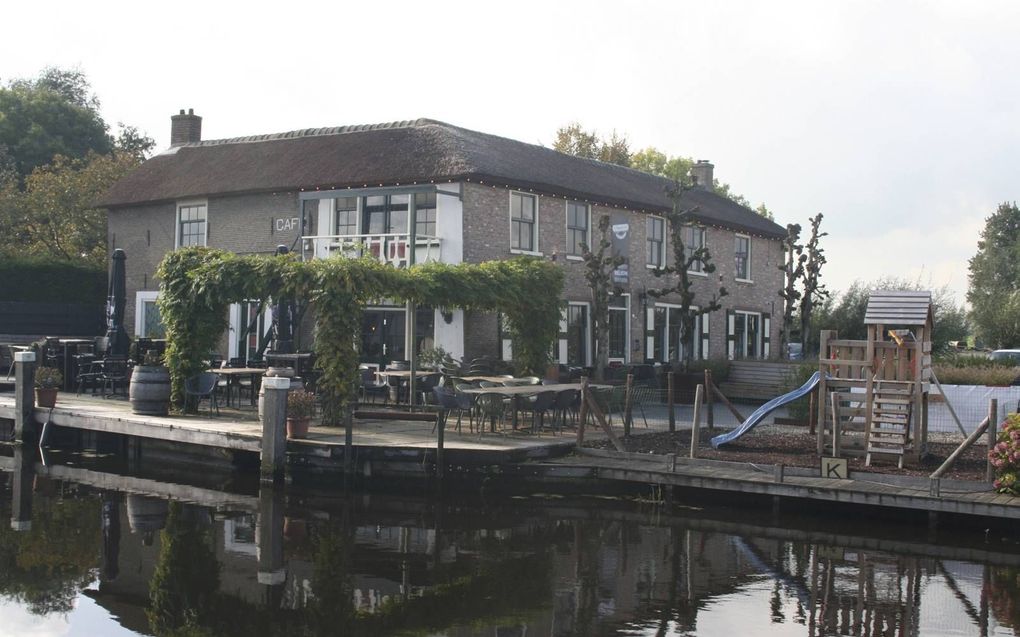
(472, 197)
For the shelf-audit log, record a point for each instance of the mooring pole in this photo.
(348, 439)
(440, 428)
(670, 401)
(274, 428)
(993, 431)
(24, 397)
(628, 411)
(22, 480)
(696, 422)
(709, 398)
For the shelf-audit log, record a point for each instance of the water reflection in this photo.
(301, 563)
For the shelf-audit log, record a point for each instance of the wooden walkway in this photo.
(867, 489)
(240, 431)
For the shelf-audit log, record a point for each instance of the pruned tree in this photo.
(598, 274)
(793, 270)
(813, 289)
(683, 260)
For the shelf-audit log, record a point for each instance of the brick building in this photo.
(474, 197)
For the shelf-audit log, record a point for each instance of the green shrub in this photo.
(972, 359)
(995, 375)
(799, 409)
(1005, 456)
(47, 280)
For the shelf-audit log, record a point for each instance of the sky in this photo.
(896, 120)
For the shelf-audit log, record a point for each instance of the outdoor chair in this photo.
(450, 401)
(538, 405)
(113, 372)
(372, 386)
(202, 386)
(491, 408)
(425, 385)
(567, 402)
(89, 370)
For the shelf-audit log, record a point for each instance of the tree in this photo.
(995, 278)
(683, 261)
(574, 140)
(598, 273)
(813, 289)
(54, 114)
(55, 214)
(793, 271)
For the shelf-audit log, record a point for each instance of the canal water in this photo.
(90, 551)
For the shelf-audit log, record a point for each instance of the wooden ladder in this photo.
(889, 428)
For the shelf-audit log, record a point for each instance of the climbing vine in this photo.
(199, 284)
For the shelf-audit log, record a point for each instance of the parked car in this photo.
(1012, 355)
(795, 351)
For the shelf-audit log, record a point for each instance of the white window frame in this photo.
(759, 345)
(177, 220)
(535, 231)
(141, 298)
(626, 349)
(662, 248)
(696, 337)
(750, 252)
(566, 228)
(704, 239)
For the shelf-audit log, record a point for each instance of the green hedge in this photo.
(40, 280)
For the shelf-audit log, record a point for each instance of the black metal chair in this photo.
(113, 371)
(372, 386)
(448, 401)
(566, 404)
(426, 384)
(538, 405)
(202, 386)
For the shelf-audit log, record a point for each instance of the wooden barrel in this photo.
(149, 390)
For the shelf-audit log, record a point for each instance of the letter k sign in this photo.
(835, 468)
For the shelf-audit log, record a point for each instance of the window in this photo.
(746, 335)
(386, 214)
(148, 323)
(523, 226)
(667, 346)
(694, 239)
(577, 334)
(619, 337)
(577, 228)
(191, 225)
(347, 216)
(742, 251)
(655, 229)
(425, 214)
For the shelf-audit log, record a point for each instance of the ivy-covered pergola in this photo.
(199, 284)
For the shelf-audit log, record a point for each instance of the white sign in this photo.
(835, 468)
(287, 224)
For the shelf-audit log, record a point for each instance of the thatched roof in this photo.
(401, 153)
(898, 307)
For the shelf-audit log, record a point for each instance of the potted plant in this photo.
(300, 407)
(149, 390)
(48, 381)
(433, 357)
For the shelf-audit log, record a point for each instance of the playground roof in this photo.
(898, 307)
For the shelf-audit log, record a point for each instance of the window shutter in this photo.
(650, 333)
(766, 334)
(563, 337)
(704, 337)
(731, 334)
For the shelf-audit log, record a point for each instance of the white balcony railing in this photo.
(388, 248)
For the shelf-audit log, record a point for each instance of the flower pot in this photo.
(297, 427)
(149, 390)
(46, 397)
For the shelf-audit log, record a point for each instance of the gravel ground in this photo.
(796, 448)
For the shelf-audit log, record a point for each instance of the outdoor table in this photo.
(516, 392)
(297, 359)
(488, 379)
(403, 375)
(233, 376)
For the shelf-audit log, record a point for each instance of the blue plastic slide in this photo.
(766, 409)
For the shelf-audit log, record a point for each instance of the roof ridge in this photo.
(323, 131)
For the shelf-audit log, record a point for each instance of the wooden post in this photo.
(348, 439)
(24, 397)
(812, 414)
(696, 422)
(440, 429)
(836, 434)
(670, 401)
(22, 481)
(726, 402)
(583, 412)
(628, 406)
(274, 428)
(823, 354)
(779, 472)
(993, 431)
(709, 401)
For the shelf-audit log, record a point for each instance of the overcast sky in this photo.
(900, 121)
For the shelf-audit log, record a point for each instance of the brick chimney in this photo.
(185, 128)
(702, 174)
